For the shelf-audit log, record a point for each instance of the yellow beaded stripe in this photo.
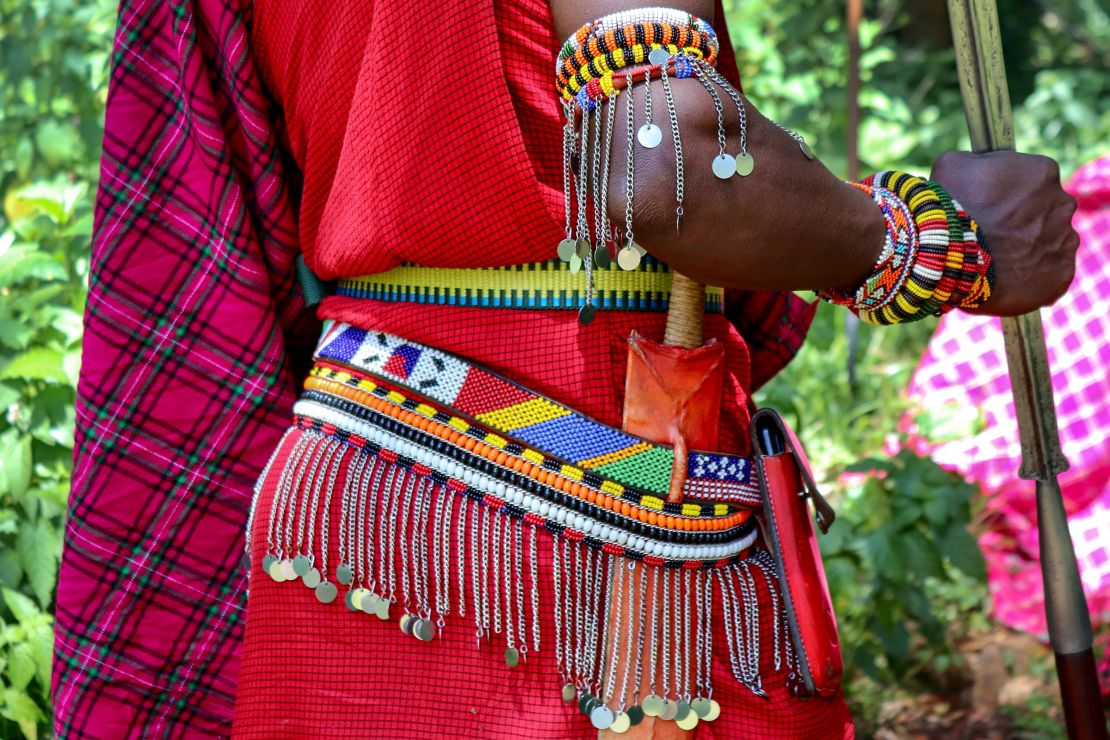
(538, 285)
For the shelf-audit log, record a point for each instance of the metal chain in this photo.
(680, 170)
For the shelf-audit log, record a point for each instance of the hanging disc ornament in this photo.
(586, 314)
(652, 705)
(602, 257)
(649, 136)
(724, 166)
(659, 57)
(806, 150)
(601, 717)
(326, 593)
(745, 164)
(575, 264)
(628, 258)
(569, 692)
(567, 247)
(301, 565)
(344, 574)
(311, 579)
(621, 723)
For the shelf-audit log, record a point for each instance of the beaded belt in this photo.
(538, 285)
(410, 469)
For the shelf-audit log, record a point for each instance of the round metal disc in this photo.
(602, 717)
(512, 657)
(602, 258)
(635, 715)
(344, 574)
(669, 710)
(714, 711)
(620, 724)
(569, 692)
(356, 598)
(582, 248)
(700, 706)
(347, 601)
(628, 259)
(806, 150)
(326, 593)
(724, 166)
(566, 249)
(652, 705)
(586, 314)
(301, 565)
(659, 56)
(575, 264)
(683, 710)
(274, 571)
(745, 164)
(406, 623)
(369, 603)
(424, 630)
(311, 578)
(649, 136)
(586, 704)
(689, 722)
(383, 609)
(287, 572)
(267, 562)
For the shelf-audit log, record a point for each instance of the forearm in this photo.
(789, 225)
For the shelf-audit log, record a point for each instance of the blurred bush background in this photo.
(905, 630)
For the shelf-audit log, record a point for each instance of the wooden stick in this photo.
(685, 313)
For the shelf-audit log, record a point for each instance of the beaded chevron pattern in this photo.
(539, 285)
(535, 421)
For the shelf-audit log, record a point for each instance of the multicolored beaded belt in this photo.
(538, 285)
(450, 470)
(551, 434)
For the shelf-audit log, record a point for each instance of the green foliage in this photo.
(52, 73)
(793, 57)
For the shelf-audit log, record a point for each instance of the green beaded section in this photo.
(650, 469)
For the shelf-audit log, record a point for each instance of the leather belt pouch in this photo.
(787, 488)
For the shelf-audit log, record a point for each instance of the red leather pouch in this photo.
(787, 487)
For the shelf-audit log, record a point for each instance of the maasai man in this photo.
(452, 533)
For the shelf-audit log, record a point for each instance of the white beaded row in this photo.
(518, 497)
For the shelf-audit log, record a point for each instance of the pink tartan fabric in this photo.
(965, 366)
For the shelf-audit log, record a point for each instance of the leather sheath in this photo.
(787, 485)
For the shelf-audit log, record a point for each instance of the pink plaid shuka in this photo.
(965, 367)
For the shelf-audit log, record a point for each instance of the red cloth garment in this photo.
(237, 134)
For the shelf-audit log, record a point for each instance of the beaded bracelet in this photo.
(934, 257)
(599, 63)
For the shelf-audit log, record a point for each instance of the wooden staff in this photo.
(978, 45)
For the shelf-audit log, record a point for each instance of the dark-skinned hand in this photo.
(1026, 218)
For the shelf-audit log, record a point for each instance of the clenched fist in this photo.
(1025, 216)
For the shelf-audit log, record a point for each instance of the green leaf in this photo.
(963, 551)
(15, 334)
(41, 641)
(22, 607)
(38, 552)
(15, 463)
(21, 665)
(11, 570)
(39, 363)
(22, 263)
(21, 709)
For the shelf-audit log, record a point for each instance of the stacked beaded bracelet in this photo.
(934, 258)
(598, 63)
